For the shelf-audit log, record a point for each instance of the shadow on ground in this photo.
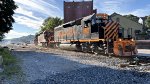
(96, 75)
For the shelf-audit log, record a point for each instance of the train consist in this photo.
(96, 33)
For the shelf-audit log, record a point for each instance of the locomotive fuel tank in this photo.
(68, 46)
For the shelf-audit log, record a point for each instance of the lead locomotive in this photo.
(94, 33)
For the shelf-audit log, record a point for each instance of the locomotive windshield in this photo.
(98, 21)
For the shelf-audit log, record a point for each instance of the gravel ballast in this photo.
(38, 65)
(97, 75)
(54, 66)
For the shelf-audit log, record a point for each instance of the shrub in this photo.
(9, 63)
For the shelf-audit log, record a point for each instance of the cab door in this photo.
(86, 30)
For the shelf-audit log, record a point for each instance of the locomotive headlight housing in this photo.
(132, 39)
(120, 39)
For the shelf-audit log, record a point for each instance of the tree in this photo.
(1, 36)
(50, 23)
(7, 8)
(132, 17)
(147, 21)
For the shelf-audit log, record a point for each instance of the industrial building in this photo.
(75, 10)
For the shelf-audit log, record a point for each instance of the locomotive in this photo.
(95, 33)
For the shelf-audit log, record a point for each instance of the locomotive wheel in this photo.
(95, 50)
(79, 48)
(84, 49)
(105, 51)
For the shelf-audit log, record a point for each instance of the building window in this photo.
(129, 32)
(68, 7)
(118, 19)
(121, 32)
(87, 6)
(137, 31)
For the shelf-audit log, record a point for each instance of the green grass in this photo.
(9, 63)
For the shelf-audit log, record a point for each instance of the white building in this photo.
(128, 27)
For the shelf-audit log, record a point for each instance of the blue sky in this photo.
(31, 13)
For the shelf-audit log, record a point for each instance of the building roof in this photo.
(115, 14)
(88, 17)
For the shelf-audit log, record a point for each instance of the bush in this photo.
(9, 63)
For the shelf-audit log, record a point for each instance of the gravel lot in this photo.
(54, 66)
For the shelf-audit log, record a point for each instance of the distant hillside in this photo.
(24, 39)
(29, 38)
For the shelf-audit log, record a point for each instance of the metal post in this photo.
(107, 46)
(131, 33)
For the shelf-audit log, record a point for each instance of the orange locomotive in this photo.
(94, 33)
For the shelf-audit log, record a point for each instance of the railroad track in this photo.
(136, 61)
(130, 61)
(140, 59)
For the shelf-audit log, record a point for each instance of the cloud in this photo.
(14, 34)
(141, 12)
(110, 6)
(79, 0)
(47, 8)
(121, 7)
(27, 13)
(35, 24)
(30, 8)
(30, 11)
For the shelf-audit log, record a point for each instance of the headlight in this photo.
(132, 39)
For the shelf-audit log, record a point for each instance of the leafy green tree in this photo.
(7, 8)
(1, 36)
(132, 17)
(147, 21)
(50, 23)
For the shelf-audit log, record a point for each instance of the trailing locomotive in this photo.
(94, 33)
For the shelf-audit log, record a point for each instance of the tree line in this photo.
(146, 19)
(7, 8)
(49, 24)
